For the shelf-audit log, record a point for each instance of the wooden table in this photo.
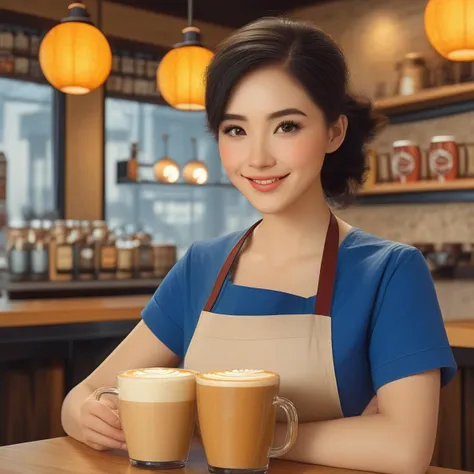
(66, 456)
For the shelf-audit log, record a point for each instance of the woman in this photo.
(349, 320)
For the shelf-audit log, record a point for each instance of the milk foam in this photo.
(157, 385)
(238, 378)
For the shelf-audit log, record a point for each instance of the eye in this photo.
(233, 131)
(288, 126)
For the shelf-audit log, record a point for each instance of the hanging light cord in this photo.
(165, 143)
(190, 12)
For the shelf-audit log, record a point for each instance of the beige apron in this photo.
(298, 347)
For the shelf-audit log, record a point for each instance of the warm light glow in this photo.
(75, 57)
(195, 172)
(166, 170)
(181, 77)
(449, 26)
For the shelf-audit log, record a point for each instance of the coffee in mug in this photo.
(237, 418)
(157, 410)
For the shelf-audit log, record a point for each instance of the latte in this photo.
(157, 411)
(237, 416)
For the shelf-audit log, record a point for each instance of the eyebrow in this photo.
(273, 115)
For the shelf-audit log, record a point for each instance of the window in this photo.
(26, 138)
(176, 214)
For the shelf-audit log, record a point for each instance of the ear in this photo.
(337, 133)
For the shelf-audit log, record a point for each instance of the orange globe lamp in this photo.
(449, 26)
(181, 73)
(75, 56)
(195, 172)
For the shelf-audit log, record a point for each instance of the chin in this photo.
(269, 204)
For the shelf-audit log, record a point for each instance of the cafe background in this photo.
(86, 159)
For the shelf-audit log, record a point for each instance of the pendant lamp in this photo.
(449, 26)
(181, 73)
(75, 56)
(195, 171)
(166, 169)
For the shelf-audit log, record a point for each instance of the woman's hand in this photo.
(100, 424)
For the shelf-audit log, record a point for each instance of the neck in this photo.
(298, 231)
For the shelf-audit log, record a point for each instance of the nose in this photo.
(260, 156)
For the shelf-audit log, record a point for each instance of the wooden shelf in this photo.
(421, 186)
(24, 78)
(144, 99)
(429, 103)
(460, 190)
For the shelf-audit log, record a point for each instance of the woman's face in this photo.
(273, 140)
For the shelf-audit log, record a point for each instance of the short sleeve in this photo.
(408, 334)
(164, 312)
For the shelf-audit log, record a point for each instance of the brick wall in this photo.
(374, 35)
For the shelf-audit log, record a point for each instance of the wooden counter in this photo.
(128, 308)
(461, 333)
(49, 345)
(62, 455)
(70, 310)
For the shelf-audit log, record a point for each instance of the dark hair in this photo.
(316, 61)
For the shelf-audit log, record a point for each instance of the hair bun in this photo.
(344, 171)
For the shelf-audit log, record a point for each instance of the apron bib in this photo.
(298, 347)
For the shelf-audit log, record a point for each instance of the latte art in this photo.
(242, 374)
(157, 385)
(157, 373)
(238, 377)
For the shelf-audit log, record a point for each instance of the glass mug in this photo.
(237, 418)
(157, 410)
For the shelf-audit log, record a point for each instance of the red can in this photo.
(444, 158)
(406, 161)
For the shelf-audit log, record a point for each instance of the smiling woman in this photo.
(349, 321)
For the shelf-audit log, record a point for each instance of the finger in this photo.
(104, 413)
(95, 446)
(95, 438)
(100, 426)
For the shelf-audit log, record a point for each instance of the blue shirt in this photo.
(386, 320)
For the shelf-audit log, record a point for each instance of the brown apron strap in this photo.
(327, 274)
(226, 268)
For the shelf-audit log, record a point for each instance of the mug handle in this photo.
(292, 428)
(105, 391)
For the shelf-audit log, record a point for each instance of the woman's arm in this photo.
(140, 348)
(398, 439)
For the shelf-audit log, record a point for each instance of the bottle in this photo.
(164, 259)
(132, 165)
(61, 259)
(6, 52)
(3, 176)
(84, 253)
(39, 241)
(18, 251)
(125, 255)
(105, 251)
(144, 267)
